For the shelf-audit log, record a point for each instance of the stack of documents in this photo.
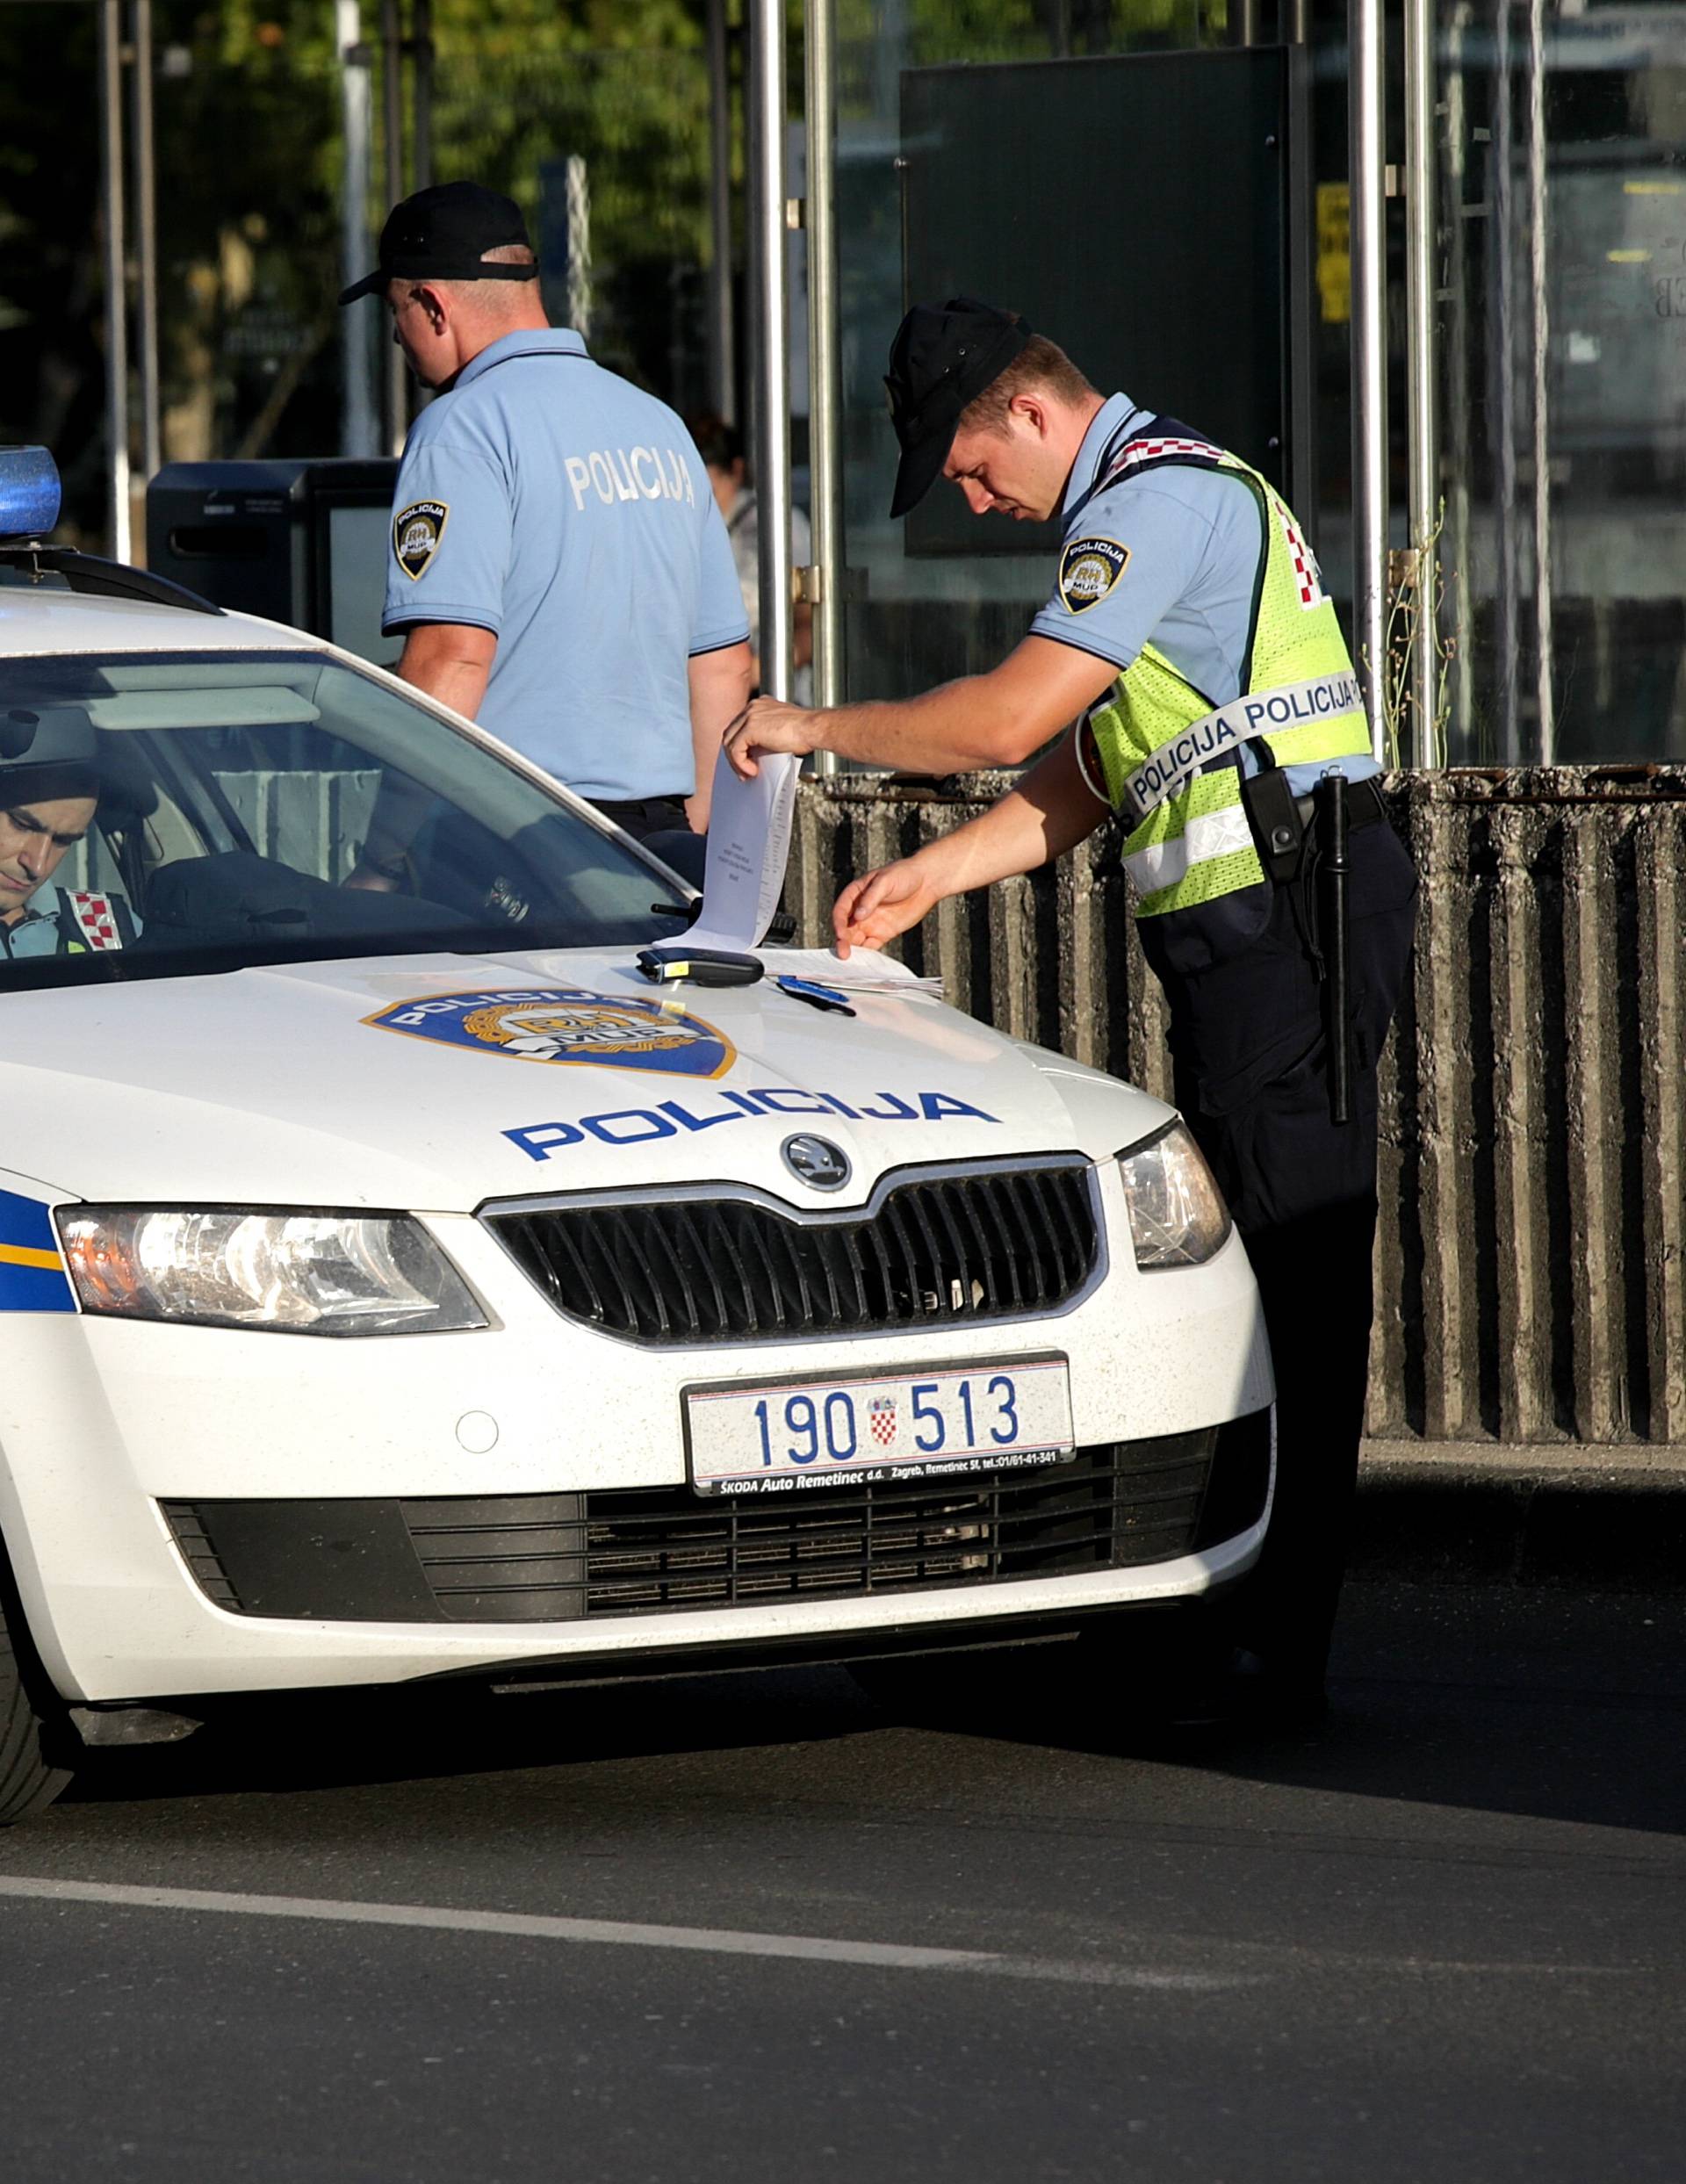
(864, 972)
(749, 843)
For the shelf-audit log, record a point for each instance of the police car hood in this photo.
(437, 1082)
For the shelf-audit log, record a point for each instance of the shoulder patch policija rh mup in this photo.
(416, 532)
(1089, 568)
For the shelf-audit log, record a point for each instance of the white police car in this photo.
(395, 1285)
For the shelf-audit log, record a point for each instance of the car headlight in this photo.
(1177, 1216)
(290, 1273)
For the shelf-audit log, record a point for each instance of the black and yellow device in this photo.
(701, 966)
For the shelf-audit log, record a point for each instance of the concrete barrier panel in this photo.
(1530, 1255)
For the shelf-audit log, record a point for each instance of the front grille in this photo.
(1116, 1505)
(989, 1244)
(548, 1558)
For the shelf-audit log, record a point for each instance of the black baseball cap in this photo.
(939, 361)
(47, 753)
(442, 234)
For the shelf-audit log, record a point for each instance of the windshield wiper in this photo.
(781, 926)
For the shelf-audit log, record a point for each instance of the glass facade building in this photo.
(1001, 149)
(1162, 185)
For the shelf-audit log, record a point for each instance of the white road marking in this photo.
(884, 1955)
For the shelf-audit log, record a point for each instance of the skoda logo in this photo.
(815, 1162)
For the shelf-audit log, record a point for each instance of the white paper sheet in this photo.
(749, 844)
(866, 971)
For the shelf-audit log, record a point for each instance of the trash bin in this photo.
(301, 541)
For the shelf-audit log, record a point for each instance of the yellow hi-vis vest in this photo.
(1154, 733)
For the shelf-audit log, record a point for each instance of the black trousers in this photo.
(639, 815)
(660, 822)
(1250, 1073)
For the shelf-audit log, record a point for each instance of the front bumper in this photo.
(104, 1427)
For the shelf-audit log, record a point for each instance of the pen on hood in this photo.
(817, 996)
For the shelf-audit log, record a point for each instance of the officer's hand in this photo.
(875, 908)
(767, 724)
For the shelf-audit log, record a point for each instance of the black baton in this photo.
(1330, 799)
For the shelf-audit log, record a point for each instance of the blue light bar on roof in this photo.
(29, 493)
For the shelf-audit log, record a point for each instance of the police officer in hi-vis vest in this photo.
(1191, 642)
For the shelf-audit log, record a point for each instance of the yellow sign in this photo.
(1334, 251)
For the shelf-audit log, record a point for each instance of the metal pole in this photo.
(1365, 156)
(1420, 250)
(117, 344)
(825, 364)
(1299, 473)
(1541, 330)
(1502, 344)
(421, 123)
(391, 90)
(578, 279)
(723, 371)
(768, 219)
(887, 57)
(146, 239)
(1457, 460)
(422, 94)
(359, 432)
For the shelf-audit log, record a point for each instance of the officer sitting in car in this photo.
(49, 790)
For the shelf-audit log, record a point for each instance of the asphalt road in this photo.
(755, 1928)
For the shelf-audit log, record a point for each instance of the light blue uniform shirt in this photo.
(1193, 542)
(568, 512)
(35, 934)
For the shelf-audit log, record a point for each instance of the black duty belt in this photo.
(1364, 805)
(1281, 821)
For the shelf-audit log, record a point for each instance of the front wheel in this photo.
(29, 1780)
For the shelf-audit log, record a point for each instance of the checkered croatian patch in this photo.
(96, 920)
(1307, 575)
(416, 532)
(1142, 454)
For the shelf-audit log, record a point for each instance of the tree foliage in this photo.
(250, 171)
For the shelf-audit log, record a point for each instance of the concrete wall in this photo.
(1531, 1255)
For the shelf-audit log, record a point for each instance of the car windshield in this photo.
(239, 792)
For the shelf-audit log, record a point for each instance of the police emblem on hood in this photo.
(1089, 568)
(565, 1024)
(416, 532)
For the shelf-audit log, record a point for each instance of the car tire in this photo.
(30, 1779)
